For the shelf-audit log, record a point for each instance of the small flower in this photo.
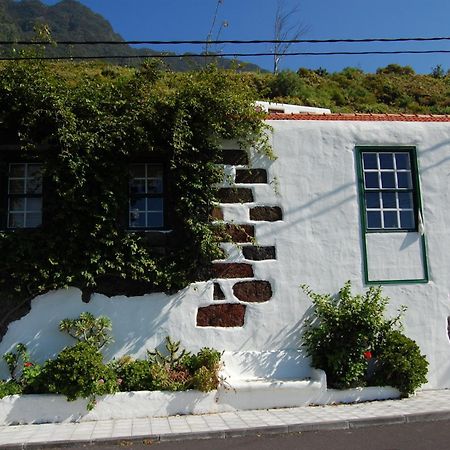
(119, 381)
(368, 355)
(101, 381)
(28, 364)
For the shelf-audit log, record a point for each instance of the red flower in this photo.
(368, 355)
(28, 364)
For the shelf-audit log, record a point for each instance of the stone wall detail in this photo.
(234, 287)
(223, 315)
(257, 291)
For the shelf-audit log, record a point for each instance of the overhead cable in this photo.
(228, 55)
(231, 41)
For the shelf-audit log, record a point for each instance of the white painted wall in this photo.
(318, 243)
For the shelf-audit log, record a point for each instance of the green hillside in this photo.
(393, 88)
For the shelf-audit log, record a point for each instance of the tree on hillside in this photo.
(287, 26)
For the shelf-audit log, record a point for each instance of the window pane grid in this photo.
(146, 207)
(24, 195)
(388, 188)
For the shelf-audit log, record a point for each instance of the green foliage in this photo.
(85, 129)
(133, 375)
(25, 375)
(179, 370)
(79, 372)
(399, 363)
(174, 354)
(347, 331)
(10, 387)
(15, 358)
(87, 328)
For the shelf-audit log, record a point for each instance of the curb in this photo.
(241, 432)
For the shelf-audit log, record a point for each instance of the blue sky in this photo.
(253, 19)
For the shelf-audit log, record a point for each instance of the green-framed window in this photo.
(390, 190)
(394, 246)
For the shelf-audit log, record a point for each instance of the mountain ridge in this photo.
(69, 20)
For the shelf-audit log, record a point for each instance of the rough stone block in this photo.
(235, 195)
(234, 157)
(239, 233)
(251, 176)
(266, 213)
(256, 253)
(253, 291)
(218, 293)
(216, 213)
(232, 270)
(224, 315)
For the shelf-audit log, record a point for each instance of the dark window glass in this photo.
(371, 180)
(389, 200)
(372, 199)
(386, 161)
(370, 161)
(407, 219)
(373, 219)
(390, 219)
(388, 180)
(402, 161)
(404, 180)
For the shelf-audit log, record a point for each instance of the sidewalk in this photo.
(425, 406)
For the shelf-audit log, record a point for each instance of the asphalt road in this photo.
(410, 436)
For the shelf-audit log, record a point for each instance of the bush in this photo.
(399, 363)
(133, 375)
(79, 372)
(10, 387)
(349, 334)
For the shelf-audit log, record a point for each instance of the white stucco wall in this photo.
(318, 243)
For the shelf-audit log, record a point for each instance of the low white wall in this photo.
(28, 409)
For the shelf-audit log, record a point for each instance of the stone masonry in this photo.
(229, 311)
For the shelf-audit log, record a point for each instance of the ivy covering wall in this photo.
(85, 124)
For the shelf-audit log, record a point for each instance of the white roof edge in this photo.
(285, 108)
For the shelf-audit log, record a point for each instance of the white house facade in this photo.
(356, 197)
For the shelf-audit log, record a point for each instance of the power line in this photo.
(228, 55)
(232, 41)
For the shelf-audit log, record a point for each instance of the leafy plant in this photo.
(79, 372)
(179, 370)
(10, 387)
(87, 328)
(174, 354)
(347, 331)
(133, 375)
(25, 375)
(399, 363)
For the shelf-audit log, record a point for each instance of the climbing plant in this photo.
(85, 124)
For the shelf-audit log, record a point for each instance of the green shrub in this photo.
(399, 363)
(24, 373)
(352, 341)
(10, 387)
(79, 372)
(133, 375)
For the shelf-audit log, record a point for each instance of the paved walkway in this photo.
(425, 406)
